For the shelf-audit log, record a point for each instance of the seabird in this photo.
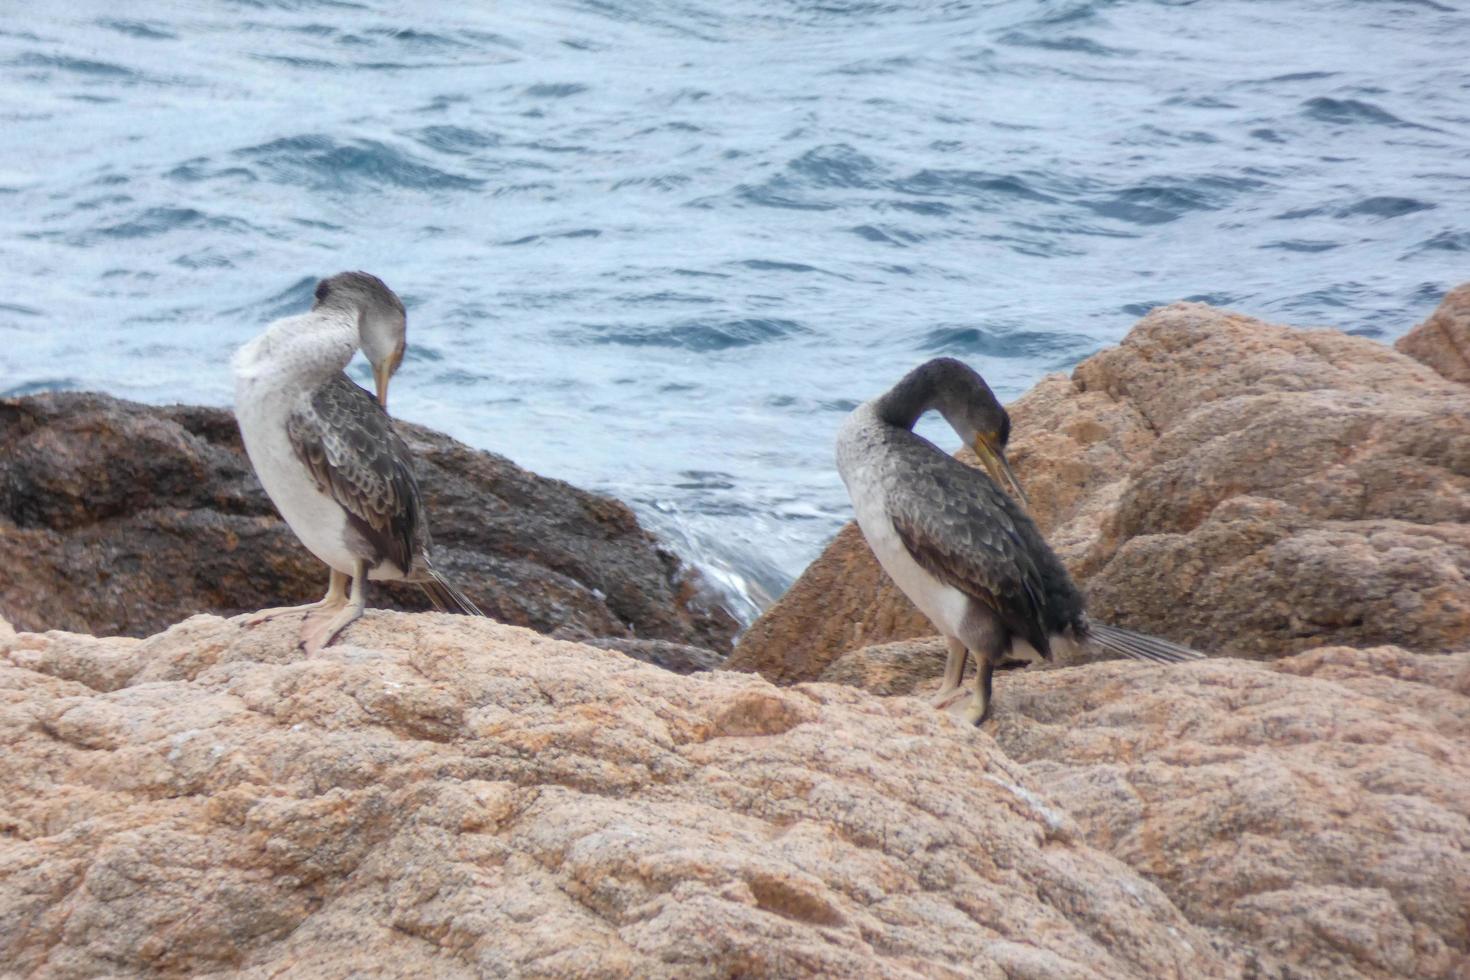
(328, 456)
(959, 547)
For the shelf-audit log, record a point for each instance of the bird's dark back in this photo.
(1062, 602)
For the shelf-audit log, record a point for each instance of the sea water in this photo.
(660, 248)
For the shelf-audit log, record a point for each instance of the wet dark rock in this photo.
(120, 518)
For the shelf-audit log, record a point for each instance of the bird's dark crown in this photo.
(358, 288)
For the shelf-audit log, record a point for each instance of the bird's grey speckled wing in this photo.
(347, 442)
(958, 527)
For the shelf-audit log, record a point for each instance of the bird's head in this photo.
(382, 323)
(977, 417)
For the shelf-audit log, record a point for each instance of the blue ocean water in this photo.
(660, 248)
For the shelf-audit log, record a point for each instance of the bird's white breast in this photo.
(861, 458)
(262, 406)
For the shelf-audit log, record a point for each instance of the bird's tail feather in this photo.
(445, 596)
(1141, 646)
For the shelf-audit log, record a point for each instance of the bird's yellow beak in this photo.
(381, 375)
(999, 470)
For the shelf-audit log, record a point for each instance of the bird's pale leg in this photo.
(979, 708)
(335, 597)
(954, 672)
(320, 630)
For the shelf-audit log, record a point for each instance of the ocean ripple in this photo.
(323, 163)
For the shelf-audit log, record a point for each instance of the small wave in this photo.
(210, 258)
(1353, 112)
(668, 296)
(930, 209)
(79, 66)
(298, 61)
(1152, 204)
(661, 182)
(1199, 102)
(1445, 241)
(830, 166)
(975, 341)
(198, 169)
(322, 163)
(766, 265)
(889, 236)
(773, 194)
(555, 90)
(1384, 207)
(705, 480)
(295, 298)
(876, 66)
(1300, 76)
(975, 184)
(162, 220)
(455, 139)
(1300, 245)
(135, 28)
(551, 236)
(835, 165)
(1070, 43)
(411, 38)
(704, 336)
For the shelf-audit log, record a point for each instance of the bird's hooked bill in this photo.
(995, 464)
(381, 375)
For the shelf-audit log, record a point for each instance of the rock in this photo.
(841, 602)
(446, 796)
(1443, 340)
(900, 667)
(681, 658)
(1316, 810)
(1231, 485)
(122, 518)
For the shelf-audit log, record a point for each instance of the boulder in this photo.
(441, 795)
(900, 667)
(1235, 486)
(123, 518)
(1443, 340)
(842, 601)
(1315, 809)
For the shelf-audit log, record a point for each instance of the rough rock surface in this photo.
(681, 658)
(1443, 340)
(900, 667)
(1315, 809)
(445, 796)
(843, 601)
(1239, 487)
(123, 518)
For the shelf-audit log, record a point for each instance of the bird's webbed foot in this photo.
(323, 627)
(335, 598)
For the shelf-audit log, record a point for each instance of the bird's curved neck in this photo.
(902, 404)
(306, 349)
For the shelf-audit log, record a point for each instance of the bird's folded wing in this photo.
(347, 442)
(956, 527)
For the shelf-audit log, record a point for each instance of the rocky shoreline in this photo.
(120, 518)
(1247, 489)
(438, 795)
